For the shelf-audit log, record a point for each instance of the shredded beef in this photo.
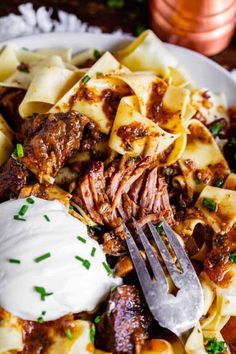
(13, 177)
(10, 99)
(125, 322)
(49, 141)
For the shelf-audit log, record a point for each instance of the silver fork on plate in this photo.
(178, 313)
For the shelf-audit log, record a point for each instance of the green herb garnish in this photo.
(159, 227)
(81, 239)
(42, 258)
(19, 150)
(13, 260)
(97, 54)
(209, 204)
(232, 257)
(17, 217)
(94, 229)
(85, 262)
(68, 333)
(215, 347)
(85, 79)
(139, 29)
(107, 268)
(115, 4)
(216, 128)
(46, 218)
(97, 319)
(92, 333)
(23, 210)
(219, 182)
(198, 180)
(40, 319)
(232, 142)
(42, 292)
(30, 200)
(93, 251)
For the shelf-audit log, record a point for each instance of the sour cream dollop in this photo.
(46, 251)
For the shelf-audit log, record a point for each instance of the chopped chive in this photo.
(219, 182)
(92, 333)
(107, 268)
(79, 258)
(71, 207)
(97, 54)
(68, 333)
(198, 181)
(113, 288)
(43, 313)
(13, 260)
(85, 262)
(115, 4)
(17, 217)
(209, 204)
(139, 29)
(30, 200)
(81, 239)
(19, 150)
(216, 128)
(42, 258)
(40, 319)
(159, 227)
(42, 292)
(99, 74)
(93, 251)
(85, 79)
(232, 257)
(23, 210)
(97, 319)
(46, 218)
(232, 142)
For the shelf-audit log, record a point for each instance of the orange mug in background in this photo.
(206, 26)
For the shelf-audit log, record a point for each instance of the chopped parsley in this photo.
(85, 79)
(85, 262)
(19, 150)
(115, 4)
(93, 251)
(92, 333)
(81, 239)
(97, 319)
(42, 258)
(107, 268)
(30, 200)
(232, 257)
(216, 128)
(46, 218)
(219, 182)
(23, 210)
(159, 227)
(215, 347)
(13, 260)
(17, 217)
(68, 333)
(42, 292)
(97, 54)
(209, 204)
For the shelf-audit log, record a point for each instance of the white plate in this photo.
(204, 71)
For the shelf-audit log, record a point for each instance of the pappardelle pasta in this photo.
(88, 140)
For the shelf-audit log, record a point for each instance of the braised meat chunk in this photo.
(10, 99)
(49, 141)
(124, 325)
(13, 177)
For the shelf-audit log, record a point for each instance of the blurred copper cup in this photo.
(203, 25)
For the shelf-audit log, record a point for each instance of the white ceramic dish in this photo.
(203, 71)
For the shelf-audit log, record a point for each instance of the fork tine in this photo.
(167, 258)
(177, 247)
(139, 264)
(153, 260)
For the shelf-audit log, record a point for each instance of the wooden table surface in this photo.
(132, 17)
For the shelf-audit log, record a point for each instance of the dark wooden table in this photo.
(132, 17)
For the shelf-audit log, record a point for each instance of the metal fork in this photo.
(178, 313)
